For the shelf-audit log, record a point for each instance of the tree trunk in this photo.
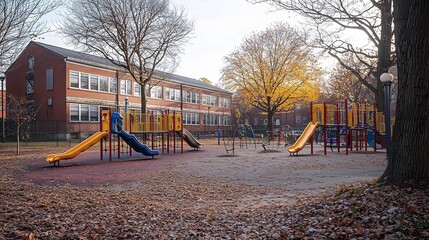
(384, 50)
(17, 138)
(410, 147)
(143, 99)
(270, 125)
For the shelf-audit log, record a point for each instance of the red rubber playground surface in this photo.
(249, 166)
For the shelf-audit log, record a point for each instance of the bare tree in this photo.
(334, 21)
(408, 163)
(144, 37)
(344, 84)
(21, 113)
(20, 21)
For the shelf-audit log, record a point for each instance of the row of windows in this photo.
(216, 120)
(172, 94)
(192, 97)
(84, 113)
(191, 118)
(90, 113)
(93, 82)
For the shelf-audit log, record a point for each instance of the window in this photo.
(277, 122)
(93, 82)
(126, 87)
(30, 85)
(93, 113)
(137, 89)
(74, 79)
(192, 97)
(225, 121)
(172, 94)
(84, 81)
(30, 107)
(50, 79)
(104, 84)
(113, 85)
(224, 102)
(156, 92)
(205, 99)
(211, 120)
(74, 112)
(191, 119)
(214, 101)
(210, 100)
(84, 113)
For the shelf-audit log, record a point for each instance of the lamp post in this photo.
(208, 116)
(387, 79)
(126, 105)
(2, 78)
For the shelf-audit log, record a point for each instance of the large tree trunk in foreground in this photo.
(384, 51)
(409, 161)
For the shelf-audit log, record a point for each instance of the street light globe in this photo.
(386, 78)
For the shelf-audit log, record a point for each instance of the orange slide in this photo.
(76, 150)
(303, 139)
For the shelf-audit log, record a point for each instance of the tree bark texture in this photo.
(409, 161)
(384, 50)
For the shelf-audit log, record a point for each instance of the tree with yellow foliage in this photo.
(272, 70)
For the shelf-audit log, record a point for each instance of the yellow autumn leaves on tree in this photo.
(272, 70)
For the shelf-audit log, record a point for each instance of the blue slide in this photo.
(131, 140)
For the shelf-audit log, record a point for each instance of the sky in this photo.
(220, 27)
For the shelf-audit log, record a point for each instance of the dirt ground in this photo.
(204, 194)
(249, 165)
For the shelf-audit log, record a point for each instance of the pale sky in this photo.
(220, 27)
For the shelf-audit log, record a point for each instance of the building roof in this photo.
(103, 62)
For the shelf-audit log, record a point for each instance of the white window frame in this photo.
(93, 77)
(191, 97)
(172, 94)
(102, 79)
(126, 87)
(113, 82)
(74, 79)
(156, 92)
(80, 108)
(81, 77)
(74, 110)
(210, 100)
(137, 89)
(191, 119)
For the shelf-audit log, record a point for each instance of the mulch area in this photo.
(206, 195)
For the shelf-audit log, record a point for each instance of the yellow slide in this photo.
(74, 151)
(303, 139)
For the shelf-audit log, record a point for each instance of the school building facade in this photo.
(70, 86)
